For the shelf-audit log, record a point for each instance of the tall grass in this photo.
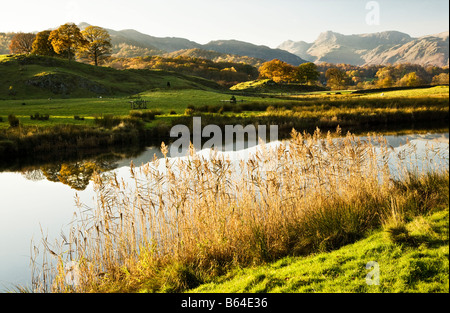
(182, 221)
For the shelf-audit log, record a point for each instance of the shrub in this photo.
(38, 117)
(107, 121)
(13, 120)
(145, 115)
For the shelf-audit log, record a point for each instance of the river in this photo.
(38, 202)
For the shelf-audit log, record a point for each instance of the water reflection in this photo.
(77, 174)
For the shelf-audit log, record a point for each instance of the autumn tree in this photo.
(67, 39)
(22, 43)
(42, 44)
(336, 78)
(98, 44)
(410, 80)
(385, 77)
(441, 79)
(306, 73)
(276, 70)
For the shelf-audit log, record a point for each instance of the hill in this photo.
(391, 47)
(26, 77)
(224, 73)
(139, 44)
(215, 56)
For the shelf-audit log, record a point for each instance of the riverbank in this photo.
(221, 218)
(414, 261)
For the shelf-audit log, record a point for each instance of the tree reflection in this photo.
(77, 175)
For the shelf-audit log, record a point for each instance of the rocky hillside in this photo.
(376, 48)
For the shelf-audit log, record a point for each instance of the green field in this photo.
(62, 111)
(438, 91)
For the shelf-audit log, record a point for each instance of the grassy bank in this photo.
(419, 263)
(179, 225)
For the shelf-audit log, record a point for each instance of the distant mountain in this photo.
(363, 49)
(134, 42)
(168, 44)
(376, 48)
(427, 50)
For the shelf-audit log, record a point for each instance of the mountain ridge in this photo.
(382, 48)
(388, 47)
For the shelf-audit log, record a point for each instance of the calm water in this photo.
(35, 202)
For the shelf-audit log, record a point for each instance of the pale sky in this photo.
(261, 22)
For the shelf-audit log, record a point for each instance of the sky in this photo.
(261, 22)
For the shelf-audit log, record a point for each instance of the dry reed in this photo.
(203, 215)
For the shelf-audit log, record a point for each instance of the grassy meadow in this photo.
(172, 103)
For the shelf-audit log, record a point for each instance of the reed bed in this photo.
(179, 222)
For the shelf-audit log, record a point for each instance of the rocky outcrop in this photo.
(64, 84)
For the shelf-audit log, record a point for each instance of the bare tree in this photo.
(22, 43)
